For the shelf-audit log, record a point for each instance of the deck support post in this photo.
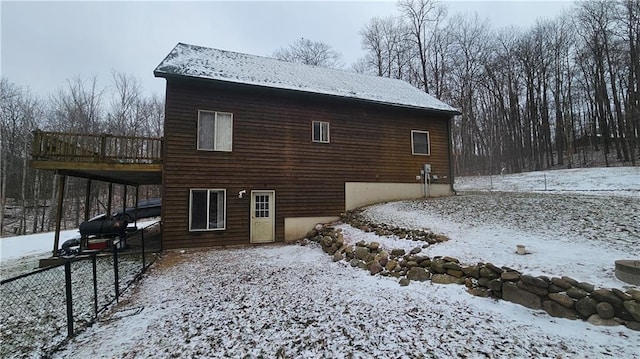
(87, 201)
(109, 200)
(135, 211)
(124, 201)
(62, 179)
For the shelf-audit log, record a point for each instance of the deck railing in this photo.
(77, 147)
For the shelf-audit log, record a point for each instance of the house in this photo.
(260, 150)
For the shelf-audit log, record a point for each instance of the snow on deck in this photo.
(201, 62)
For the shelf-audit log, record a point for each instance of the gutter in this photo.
(450, 150)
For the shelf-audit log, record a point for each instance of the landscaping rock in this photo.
(450, 259)
(512, 293)
(635, 294)
(391, 265)
(570, 280)
(455, 273)
(633, 308)
(484, 281)
(397, 252)
(532, 288)
(338, 256)
(562, 299)
(373, 246)
(375, 268)
(622, 295)
(595, 319)
(361, 253)
(452, 266)
(586, 306)
(534, 281)
(416, 250)
(495, 285)
(418, 273)
(510, 276)
(488, 273)
(577, 293)
(354, 262)
(555, 309)
(554, 289)
(348, 251)
(605, 310)
(633, 325)
(471, 271)
(445, 279)
(437, 266)
(586, 287)
(604, 295)
(494, 268)
(479, 292)
(404, 281)
(564, 284)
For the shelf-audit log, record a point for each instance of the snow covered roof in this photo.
(207, 63)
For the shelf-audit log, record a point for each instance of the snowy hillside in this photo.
(605, 180)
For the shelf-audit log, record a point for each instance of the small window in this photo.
(321, 131)
(420, 142)
(215, 131)
(207, 209)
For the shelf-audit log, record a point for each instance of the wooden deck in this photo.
(116, 159)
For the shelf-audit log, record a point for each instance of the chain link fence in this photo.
(41, 309)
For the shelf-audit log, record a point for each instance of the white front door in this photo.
(263, 208)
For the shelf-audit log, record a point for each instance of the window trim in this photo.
(215, 126)
(328, 130)
(413, 147)
(209, 190)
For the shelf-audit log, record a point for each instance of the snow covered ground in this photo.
(293, 301)
(623, 181)
(576, 235)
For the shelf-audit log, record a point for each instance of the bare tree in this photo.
(19, 116)
(310, 52)
(77, 107)
(419, 14)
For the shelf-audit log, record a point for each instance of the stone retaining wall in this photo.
(561, 297)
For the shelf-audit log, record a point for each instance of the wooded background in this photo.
(562, 93)
(79, 106)
(530, 98)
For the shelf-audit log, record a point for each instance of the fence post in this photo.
(115, 272)
(67, 280)
(95, 285)
(144, 262)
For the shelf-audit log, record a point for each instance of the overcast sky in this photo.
(46, 43)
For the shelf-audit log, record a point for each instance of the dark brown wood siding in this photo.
(273, 150)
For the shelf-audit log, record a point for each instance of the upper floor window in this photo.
(215, 131)
(320, 131)
(420, 142)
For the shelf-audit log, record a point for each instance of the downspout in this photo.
(450, 147)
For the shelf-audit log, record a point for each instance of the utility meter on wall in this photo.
(427, 168)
